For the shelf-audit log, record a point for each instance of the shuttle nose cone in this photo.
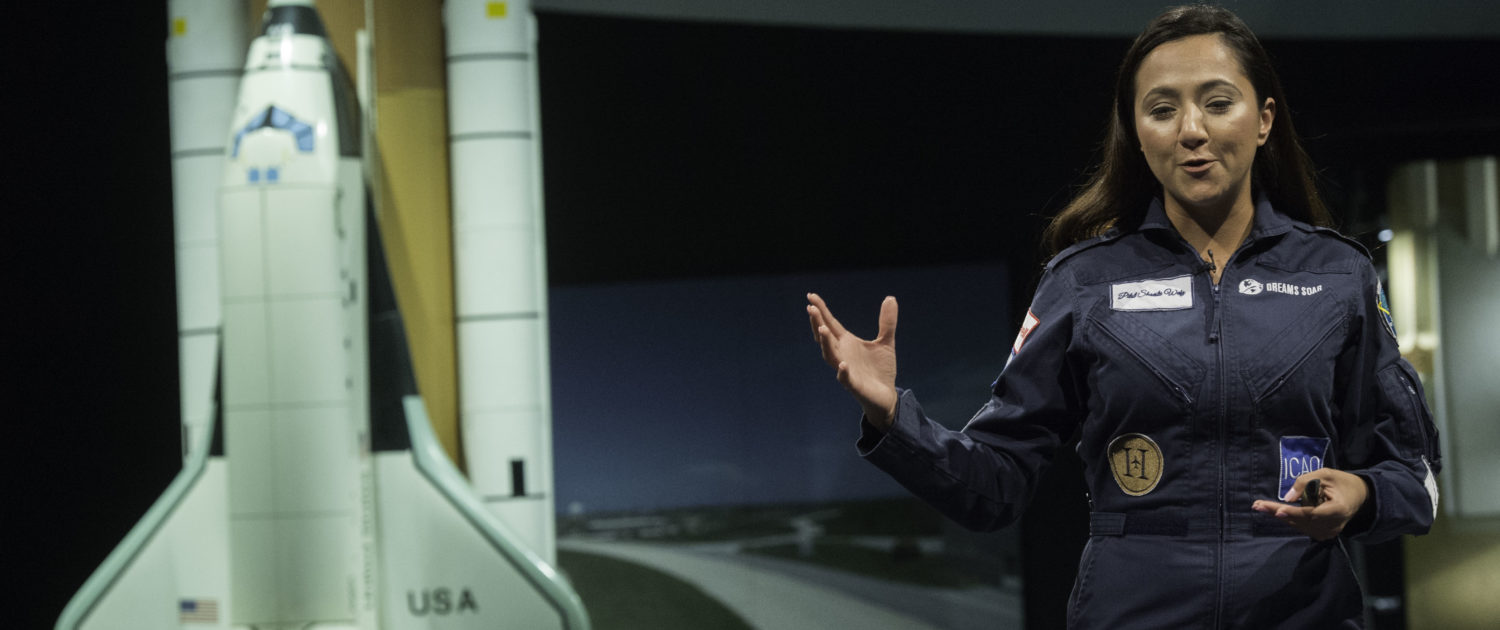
(294, 17)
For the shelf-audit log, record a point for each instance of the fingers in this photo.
(1283, 511)
(827, 317)
(1300, 487)
(829, 346)
(821, 333)
(1295, 493)
(1298, 491)
(1341, 488)
(887, 333)
(1304, 519)
(1320, 522)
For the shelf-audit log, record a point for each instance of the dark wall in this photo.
(780, 149)
(671, 150)
(90, 381)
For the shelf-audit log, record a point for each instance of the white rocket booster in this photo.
(318, 497)
(205, 58)
(500, 263)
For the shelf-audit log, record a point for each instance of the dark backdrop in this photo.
(671, 150)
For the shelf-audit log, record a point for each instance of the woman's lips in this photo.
(1197, 167)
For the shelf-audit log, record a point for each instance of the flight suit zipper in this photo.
(1216, 338)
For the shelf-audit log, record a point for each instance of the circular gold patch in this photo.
(1136, 462)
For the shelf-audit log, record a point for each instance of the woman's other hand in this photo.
(867, 368)
(1343, 496)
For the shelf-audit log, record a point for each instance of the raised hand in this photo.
(867, 368)
(1343, 494)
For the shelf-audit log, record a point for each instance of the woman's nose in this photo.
(1191, 133)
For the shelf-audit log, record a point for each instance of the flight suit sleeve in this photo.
(983, 476)
(1388, 436)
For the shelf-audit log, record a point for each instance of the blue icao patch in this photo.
(1299, 455)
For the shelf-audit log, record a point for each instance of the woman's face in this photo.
(1198, 123)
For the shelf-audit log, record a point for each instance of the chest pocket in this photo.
(1123, 333)
(1269, 368)
(1313, 334)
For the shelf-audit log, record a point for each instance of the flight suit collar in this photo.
(1267, 222)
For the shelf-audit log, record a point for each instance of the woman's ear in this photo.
(1267, 116)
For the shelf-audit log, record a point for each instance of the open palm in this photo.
(867, 368)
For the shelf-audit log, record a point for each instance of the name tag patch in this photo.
(1299, 455)
(1170, 294)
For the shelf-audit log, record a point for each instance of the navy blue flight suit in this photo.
(1191, 401)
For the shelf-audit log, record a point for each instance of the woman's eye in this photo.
(1219, 105)
(1161, 112)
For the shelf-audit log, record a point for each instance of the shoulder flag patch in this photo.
(1430, 483)
(1385, 309)
(1026, 327)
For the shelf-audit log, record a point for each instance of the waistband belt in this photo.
(1176, 524)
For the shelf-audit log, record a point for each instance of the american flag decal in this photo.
(197, 611)
(1026, 328)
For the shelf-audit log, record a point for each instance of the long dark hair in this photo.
(1121, 186)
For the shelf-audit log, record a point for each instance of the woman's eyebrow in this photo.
(1217, 83)
(1161, 90)
(1171, 92)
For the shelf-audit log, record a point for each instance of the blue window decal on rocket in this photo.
(272, 175)
(1300, 455)
(253, 175)
(277, 118)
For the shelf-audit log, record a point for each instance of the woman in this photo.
(1214, 349)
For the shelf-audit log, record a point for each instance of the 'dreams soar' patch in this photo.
(1136, 462)
(1299, 455)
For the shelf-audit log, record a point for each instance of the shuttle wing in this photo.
(445, 560)
(442, 559)
(444, 556)
(172, 569)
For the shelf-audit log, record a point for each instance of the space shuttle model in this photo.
(313, 493)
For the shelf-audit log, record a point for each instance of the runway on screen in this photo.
(773, 593)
